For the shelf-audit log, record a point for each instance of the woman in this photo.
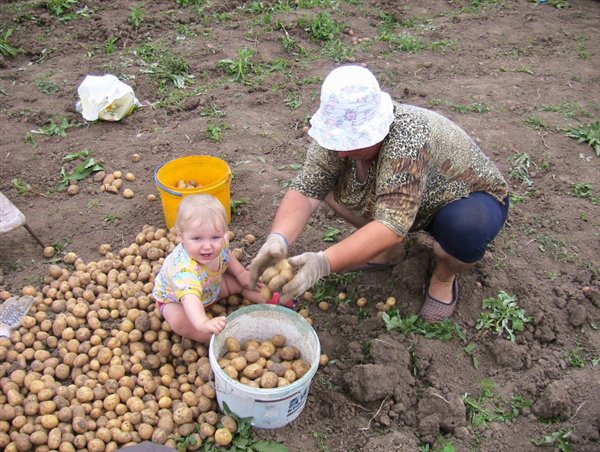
(388, 169)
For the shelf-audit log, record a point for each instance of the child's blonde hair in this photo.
(201, 209)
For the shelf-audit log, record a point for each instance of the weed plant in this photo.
(502, 315)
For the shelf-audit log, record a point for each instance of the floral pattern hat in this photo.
(354, 112)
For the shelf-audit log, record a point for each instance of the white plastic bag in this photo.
(105, 97)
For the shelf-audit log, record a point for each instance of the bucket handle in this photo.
(161, 185)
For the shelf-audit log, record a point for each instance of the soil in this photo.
(533, 66)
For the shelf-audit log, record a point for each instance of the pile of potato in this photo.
(263, 364)
(94, 367)
(275, 277)
(181, 183)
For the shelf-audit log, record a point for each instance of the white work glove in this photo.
(309, 268)
(273, 250)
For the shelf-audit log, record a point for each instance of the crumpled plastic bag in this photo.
(105, 97)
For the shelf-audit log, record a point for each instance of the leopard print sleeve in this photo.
(402, 172)
(319, 173)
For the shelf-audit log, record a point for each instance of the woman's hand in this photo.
(273, 250)
(310, 267)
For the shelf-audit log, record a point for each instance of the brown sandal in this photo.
(434, 310)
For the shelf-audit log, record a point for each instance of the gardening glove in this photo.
(310, 267)
(273, 250)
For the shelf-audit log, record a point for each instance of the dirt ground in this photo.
(513, 73)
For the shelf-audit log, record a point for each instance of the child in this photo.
(200, 270)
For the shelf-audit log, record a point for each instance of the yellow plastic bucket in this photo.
(212, 175)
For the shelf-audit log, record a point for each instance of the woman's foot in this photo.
(435, 309)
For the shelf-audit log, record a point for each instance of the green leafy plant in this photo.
(83, 170)
(236, 204)
(6, 48)
(408, 43)
(560, 439)
(338, 51)
(323, 27)
(54, 129)
(243, 438)
(22, 187)
(214, 132)
(328, 288)
(521, 162)
(443, 331)
(470, 350)
(241, 67)
(331, 234)
(136, 16)
(585, 190)
(502, 315)
(111, 45)
(536, 122)
(60, 7)
(111, 218)
(489, 406)
(293, 100)
(166, 66)
(587, 134)
(47, 87)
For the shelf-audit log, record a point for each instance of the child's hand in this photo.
(215, 325)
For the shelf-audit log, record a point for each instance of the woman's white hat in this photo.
(354, 112)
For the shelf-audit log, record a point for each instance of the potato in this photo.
(253, 371)
(49, 252)
(278, 340)
(232, 344)
(206, 430)
(266, 349)
(301, 367)
(277, 282)
(223, 437)
(229, 423)
(268, 379)
(269, 274)
(252, 355)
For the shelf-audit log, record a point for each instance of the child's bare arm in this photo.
(237, 270)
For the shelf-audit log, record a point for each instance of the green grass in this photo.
(502, 315)
(169, 68)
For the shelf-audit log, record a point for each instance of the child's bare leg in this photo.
(180, 324)
(231, 286)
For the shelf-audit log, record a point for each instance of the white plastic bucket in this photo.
(269, 408)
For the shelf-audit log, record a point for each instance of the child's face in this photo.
(203, 242)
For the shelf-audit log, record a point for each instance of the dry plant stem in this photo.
(577, 411)
(438, 395)
(368, 427)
